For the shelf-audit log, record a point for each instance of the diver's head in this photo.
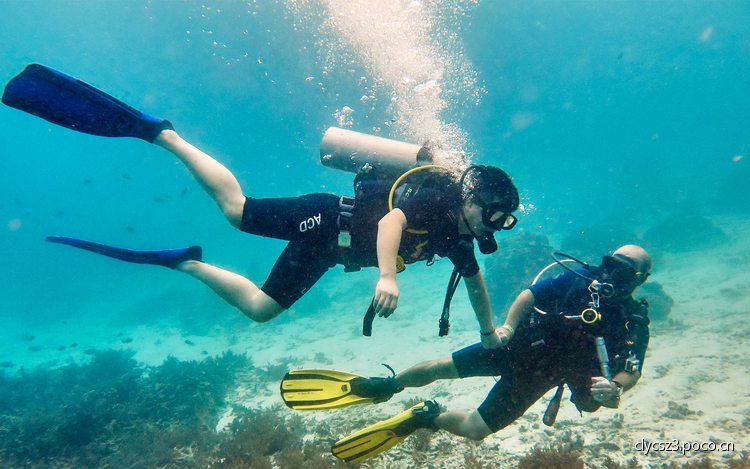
(490, 198)
(626, 269)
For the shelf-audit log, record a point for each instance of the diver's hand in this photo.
(606, 392)
(499, 338)
(505, 333)
(386, 297)
(491, 341)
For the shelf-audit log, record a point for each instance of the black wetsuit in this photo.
(311, 225)
(551, 349)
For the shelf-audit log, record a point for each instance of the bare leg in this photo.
(214, 178)
(235, 289)
(425, 373)
(459, 422)
(462, 423)
(222, 186)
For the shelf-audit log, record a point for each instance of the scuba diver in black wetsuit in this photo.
(428, 222)
(430, 219)
(582, 329)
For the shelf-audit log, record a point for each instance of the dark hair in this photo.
(490, 182)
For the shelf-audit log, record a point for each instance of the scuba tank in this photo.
(353, 152)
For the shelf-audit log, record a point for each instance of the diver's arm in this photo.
(519, 311)
(480, 302)
(607, 392)
(390, 228)
(627, 379)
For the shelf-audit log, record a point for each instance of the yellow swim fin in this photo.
(329, 389)
(320, 389)
(384, 435)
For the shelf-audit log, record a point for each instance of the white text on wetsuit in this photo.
(310, 223)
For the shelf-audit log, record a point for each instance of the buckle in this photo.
(346, 203)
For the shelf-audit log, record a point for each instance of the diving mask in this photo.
(621, 270)
(494, 216)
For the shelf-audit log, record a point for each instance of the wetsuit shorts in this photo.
(513, 393)
(537, 360)
(309, 223)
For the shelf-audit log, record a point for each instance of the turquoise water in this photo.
(606, 114)
(618, 114)
(622, 113)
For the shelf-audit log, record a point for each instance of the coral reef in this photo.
(569, 456)
(116, 413)
(557, 456)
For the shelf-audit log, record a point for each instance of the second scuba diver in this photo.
(440, 219)
(582, 329)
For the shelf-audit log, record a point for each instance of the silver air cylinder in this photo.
(352, 151)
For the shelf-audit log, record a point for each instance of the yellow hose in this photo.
(403, 176)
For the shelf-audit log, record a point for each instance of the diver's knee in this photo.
(234, 219)
(261, 307)
(259, 315)
(233, 212)
(476, 428)
(477, 435)
(443, 368)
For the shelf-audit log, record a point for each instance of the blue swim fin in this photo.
(168, 258)
(66, 101)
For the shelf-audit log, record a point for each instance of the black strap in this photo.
(369, 317)
(444, 318)
(444, 323)
(550, 415)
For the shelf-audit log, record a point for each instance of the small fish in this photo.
(7, 365)
(184, 192)
(87, 181)
(35, 348)
(204, 353)
(158, 200)
(189, 342)
(61, 348)
(60, 214)
(126, 341)
(129, 229)
(74, 345)
(126, 176)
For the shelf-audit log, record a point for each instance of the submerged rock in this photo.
(684, 233)
(660, 303)
(512, 269)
